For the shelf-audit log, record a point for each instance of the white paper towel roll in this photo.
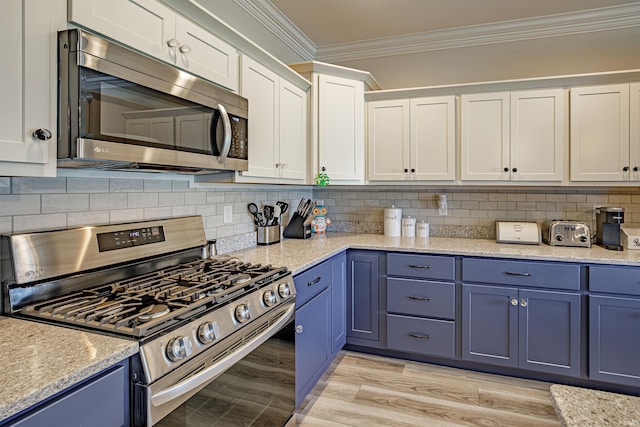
(393, 221)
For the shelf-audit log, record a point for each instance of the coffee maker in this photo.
(608, 220)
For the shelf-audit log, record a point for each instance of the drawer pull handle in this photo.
(418, 266)
(419, 298)
(313, 282)
(515, 273)
(419, 336)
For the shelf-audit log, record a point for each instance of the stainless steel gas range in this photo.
(214, 333)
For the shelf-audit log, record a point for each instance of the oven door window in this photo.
(113, 109)
(259, 390)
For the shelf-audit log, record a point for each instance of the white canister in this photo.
(408, 227)
(422, 228)
(392, 221)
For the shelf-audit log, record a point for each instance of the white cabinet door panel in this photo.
(293, 132)
(433, 138)
(537, 135)
(634, 131)
(388, 140)
(600, 133)
(485, 137)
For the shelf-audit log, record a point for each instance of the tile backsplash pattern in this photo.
(471, 212)
(31, 204)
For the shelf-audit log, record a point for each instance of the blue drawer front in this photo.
(421, 336)
(421, 266)
(311, 282)
(522, 273)
(421, 298)
(617, 280)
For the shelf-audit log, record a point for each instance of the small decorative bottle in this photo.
(320, 221)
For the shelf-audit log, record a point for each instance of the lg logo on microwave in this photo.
(30, 275)
(101, 150)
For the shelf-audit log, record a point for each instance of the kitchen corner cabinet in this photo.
(614, 325)
(365, 308)
(277, 125)
(100, 401)
(506, 323)
(158, 31)
(411, 139)
(513, 136)
(320, 321)
(28, 86)
(337, 120)
(605, 133)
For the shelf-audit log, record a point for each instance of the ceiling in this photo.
(409, 43)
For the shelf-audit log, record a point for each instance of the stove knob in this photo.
(207, 333)
(179, 348)
(559, 237)
(269, 298)
(284, 290)
(242, 313)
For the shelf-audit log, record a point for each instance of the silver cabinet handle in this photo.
(514, 301)
(419, 336)
(185, 48)
(523, 302)
(42, 134)
(299, 329)
(515, 273)
(418, 266)
(173, 43)
(419, 298)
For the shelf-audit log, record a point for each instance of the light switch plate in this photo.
(228, 214)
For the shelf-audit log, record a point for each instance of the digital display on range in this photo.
(129, 238)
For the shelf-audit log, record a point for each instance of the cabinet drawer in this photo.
(312, 282)
(421, 266)
(619, 280)
(521, 273)
(421, 298)
(421, 336)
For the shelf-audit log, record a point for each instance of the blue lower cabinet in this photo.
(614, 346)
(521, 328)
(338, 303)
(363, 295)
(312, 342)
(101, 401)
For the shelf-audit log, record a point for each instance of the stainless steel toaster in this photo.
(566, 233)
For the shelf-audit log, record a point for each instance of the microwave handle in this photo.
(226, 141)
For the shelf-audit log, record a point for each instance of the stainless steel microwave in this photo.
(119, 109)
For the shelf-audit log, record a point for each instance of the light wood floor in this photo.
(366, 390)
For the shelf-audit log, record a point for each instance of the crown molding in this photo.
(565, 24)
(280, 26)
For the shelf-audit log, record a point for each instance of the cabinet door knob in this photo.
(299, 329)
(323, 169)
(413, 170)
(514, 170)
(277, 165)
(625, 169)
(506, 169)
(406, 170)
(514, 301)
(42, 134)
(173, 43)
(636, 168)
(523, 302)
(185, 48)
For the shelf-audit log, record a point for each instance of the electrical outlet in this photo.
(228, 214)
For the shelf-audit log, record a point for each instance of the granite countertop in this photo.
(39, 360)
(298, 255)
(582, 407)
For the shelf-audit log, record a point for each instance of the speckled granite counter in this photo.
(40, 360)
(299, 255)
(582, 407)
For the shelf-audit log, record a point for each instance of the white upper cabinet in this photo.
(152, 28)
(277, 125)
(605, 133)
(28, 87)
(513, 136)
(412, 139)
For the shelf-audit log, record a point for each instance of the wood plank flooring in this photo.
(367, 390)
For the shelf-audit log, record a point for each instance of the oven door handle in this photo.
(220, 367)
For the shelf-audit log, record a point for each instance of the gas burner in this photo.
(153, 312)
(241, 278)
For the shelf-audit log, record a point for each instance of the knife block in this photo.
(296, 229)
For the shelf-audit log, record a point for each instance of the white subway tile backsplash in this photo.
(52, 203)
(19, 204)
(107, 201)
(87, 185)
(142, 200)
(38, 185)
(124, 185)
(6, 225)
(170, 199)
(157, 185)
(23, 223)
(80, 219)
(126, 215)
(158, 212)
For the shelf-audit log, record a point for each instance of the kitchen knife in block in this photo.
(296, 229)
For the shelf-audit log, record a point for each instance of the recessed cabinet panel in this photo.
(433, 138)
(293, 132)
(388, 140)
